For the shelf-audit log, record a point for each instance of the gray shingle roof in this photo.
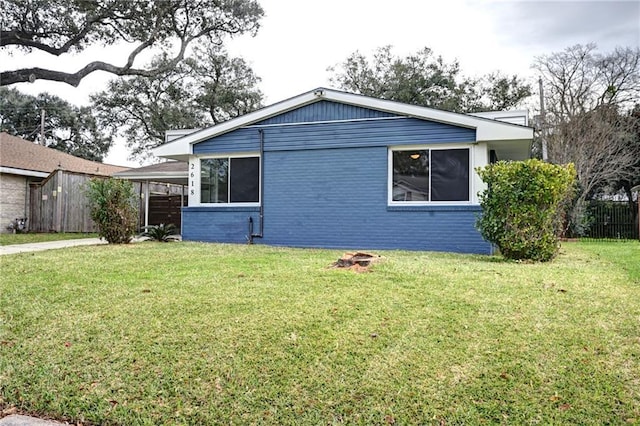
(22, 154)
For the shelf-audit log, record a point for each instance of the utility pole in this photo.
(42, 127)
(543, 123)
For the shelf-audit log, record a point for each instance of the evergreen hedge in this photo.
(523, 207)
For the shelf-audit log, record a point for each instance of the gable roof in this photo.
(20, 156)
(487, 129)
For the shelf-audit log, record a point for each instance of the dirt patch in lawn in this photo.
(357, 261)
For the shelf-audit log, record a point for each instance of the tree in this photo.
(67, 128)
(627, 181)
(578, 79)
(588, 97)
(427, 80)
(69, 26)
(206, 88)
(113, 209)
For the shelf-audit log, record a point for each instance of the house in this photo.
(26, 167)
(338, 170)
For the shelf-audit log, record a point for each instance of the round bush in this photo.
(113, 209)
(523, 207)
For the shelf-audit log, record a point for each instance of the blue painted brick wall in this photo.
(326, 186)
(338, 198)
(217, 224)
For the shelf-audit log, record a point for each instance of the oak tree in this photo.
(427, 80)
(207, 88)
(61, 27)
(67, 127)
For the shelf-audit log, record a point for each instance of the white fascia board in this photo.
(184, 145)
(22, 172)
(170, 135)
(503, 132)
(520, 116)
(486, 129)
(152, 176)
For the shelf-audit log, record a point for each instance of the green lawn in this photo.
(7, 239)
(189, 333)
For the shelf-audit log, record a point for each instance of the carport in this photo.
(162, 191)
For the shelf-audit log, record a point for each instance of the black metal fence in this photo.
(611, 220)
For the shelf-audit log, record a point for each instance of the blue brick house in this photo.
(337, 170)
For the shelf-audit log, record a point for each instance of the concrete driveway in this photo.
(49, 245)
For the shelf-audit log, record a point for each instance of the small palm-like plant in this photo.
(162, 233)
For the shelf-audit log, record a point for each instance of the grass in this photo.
(7, 239)
(190, 333)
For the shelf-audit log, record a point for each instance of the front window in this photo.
(230, 180)
(430, 175)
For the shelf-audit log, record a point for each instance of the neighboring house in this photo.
(338, 170)
(25, 165)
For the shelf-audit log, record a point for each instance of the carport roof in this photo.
(175, 172)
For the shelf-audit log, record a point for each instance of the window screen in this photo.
(450, 175)
(245, 180)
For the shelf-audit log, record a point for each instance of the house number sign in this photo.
(192, 178)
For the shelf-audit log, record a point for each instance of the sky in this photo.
(298, 40)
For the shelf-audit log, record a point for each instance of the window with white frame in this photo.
(230, 180)
(429, 175)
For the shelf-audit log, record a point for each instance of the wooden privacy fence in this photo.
(165, 209)
(60, 204)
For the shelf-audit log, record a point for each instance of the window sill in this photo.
(434, 208)
(222, 208)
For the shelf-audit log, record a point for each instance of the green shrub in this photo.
(113, 209)
(523, 207)
(163, 232)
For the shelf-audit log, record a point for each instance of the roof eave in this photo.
(182, 147)
(23, 172)
(486, 129)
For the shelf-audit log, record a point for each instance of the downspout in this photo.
(261, 233)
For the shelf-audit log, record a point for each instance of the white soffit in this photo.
(487, 129)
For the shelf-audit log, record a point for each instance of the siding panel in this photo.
(325, 111)
(380, 133)
(241, 140)
(401, 131)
